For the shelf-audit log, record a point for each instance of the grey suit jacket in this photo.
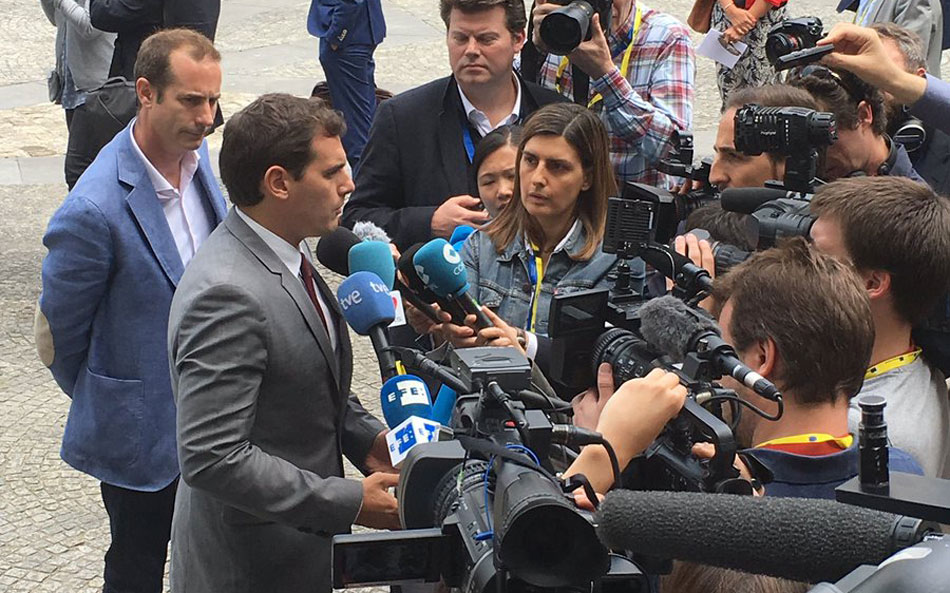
(264, 414)
(924, 17)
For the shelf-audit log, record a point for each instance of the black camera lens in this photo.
(629, 356)
(562, 30)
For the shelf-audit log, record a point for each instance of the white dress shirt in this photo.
(186, 215)
(290, 256)
(480, 120)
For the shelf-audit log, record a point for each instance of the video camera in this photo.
(796, 132)
(679, 163)
(483, 511)
(563, 29)
(793, 43)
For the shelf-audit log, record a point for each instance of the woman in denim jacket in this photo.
(547, 239)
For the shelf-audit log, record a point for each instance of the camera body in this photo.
(792, 43)
(796, 132)
(563, 29)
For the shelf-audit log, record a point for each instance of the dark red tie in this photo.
(306, 272)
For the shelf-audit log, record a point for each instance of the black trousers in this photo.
(140, 523)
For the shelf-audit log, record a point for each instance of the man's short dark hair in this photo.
(276, 129)
(908, 42)
(771, 95)
(813, 307)
(153, 60)
(840, 92)
(722, 225)
(896, 225)
(515, 17)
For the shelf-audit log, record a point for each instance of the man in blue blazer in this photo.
(349, 31)
(117, 248)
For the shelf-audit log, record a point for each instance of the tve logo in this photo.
(377, 287)
(354, 298)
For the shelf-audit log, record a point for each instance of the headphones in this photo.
(910, 132)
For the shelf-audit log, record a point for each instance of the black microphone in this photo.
(676, 267)
(793, 538)
(333, 250)
(675, 328)
(746, 200)
(419, 288)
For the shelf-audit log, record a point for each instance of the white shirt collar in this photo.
(287, 253)
(480, 120)
(563, 240)
(164, 189)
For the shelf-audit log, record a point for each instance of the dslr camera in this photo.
(563, 29)
(792, 43)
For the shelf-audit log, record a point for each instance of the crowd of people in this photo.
(209, 364)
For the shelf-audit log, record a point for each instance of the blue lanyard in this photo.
(467, 140)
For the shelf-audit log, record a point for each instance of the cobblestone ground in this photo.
(53, 529)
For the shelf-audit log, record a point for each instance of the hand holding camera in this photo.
(577, 31)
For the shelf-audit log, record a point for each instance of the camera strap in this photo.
(624, 64)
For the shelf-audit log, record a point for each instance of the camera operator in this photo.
(641, 75)
(896, 233)
(863, 147)
(860, 50)
(730, 167)
(929, 148)
(815, 350)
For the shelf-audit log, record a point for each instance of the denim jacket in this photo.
(502, 281)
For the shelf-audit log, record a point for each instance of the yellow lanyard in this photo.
(539, 275)
(892, 363)
(810, 438)
(624, 64)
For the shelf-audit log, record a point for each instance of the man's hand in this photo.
(501, 335)
(700, 252)
(638, 411)
(708, 451)
(860, 51)
(456, 211)
(380, 509)
(593, 57)
(589, 405)
(377, 460)
(421, 323)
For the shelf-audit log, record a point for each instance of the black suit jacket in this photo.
(415, 159)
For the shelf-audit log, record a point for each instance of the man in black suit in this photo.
(415, 178)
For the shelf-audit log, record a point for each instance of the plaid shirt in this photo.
(642, 111)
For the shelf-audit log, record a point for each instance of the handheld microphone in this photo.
(411, 432)
(675, 328)
(418, 287)
(444, 405)
(441, 269)
(460, 235)
(403, 396)
(794, 538)
(746, 200)
(333, 250)
(368, 309)
(372, 234)
(375, 257)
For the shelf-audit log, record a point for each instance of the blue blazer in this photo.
(347, 21)
(108, 282)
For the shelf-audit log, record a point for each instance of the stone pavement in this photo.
(53, 529)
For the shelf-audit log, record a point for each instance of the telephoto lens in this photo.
(562, 30)
(872, 445)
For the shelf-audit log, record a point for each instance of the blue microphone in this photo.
(460, 235)
(375, 257)
(444, 405)
(403, 396)
(441, 269)
(368, 309)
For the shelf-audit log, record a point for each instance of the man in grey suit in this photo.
(261, 367)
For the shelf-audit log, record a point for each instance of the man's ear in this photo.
(865, 114)
(518, 39)
(145, 92)
(762, 357)
(276, 182)
(877, 283)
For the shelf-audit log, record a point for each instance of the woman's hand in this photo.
(731, 35)
(740, 18)
(501, 335)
